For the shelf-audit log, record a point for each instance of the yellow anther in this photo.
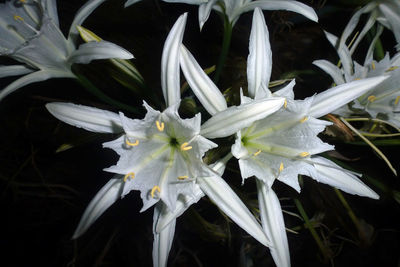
(16, 17)
(257, 153)
(281, 167)
(22, 1)
(129, 175)
(160, 126)
(304, 119)
(392, 68)
(357, 79)
(304, 154)
(185, 147)
(131, 144)
(373, 65)
(371, 98)
(183, 177)
(285, 103)
(154, 189)
(397, 100)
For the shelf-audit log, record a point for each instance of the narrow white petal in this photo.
(393, 18)
(204, 12)
(332, 99)
(334, 175)
(98, 50)
(81, 16)
(88, 118)
(202, 86)
(234, 118)
(370, 53)
(259, 61)
(14, 70)
(330, 69)
(288, 5)
(51, 7)
(273, 224)
(343, 52)
(33, 77)
(163, 240)
(226, 199)
(107, 195)
(131, 2)
(170, 75)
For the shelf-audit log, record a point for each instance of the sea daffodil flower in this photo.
(382, 101)
(232, 9)
(285, 143)
(30, 34)
(161, 156)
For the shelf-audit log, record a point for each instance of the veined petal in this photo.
(107, 195)
(393, 18)
(329, 173)
(234, 118)
(204, 12)
(81, 16)
(170, 75)
(33, 77)
(226, 199)
(14, 70)
(51, 7)
(338, 96)
(98, 50)
(273, 224)
(259, 61)
(288, 5)
(202, 86)
(88, 118)
(330, 69)
(163, 240)
(343, 52)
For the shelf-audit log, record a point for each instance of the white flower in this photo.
(234, 8)
(30, 34)
(284, 144)
(382, 101)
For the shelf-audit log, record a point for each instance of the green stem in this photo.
(226, 43)
(311, 228)
(91, 88)
(346, 205)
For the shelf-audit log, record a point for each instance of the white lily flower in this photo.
(30, 34)
(234, 8)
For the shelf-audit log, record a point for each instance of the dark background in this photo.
(44, 193)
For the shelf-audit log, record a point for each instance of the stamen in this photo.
(397, 100)
(131, 144)
(281, 167)
(16, 17)
(371, 98)
(392, 68)
(285, 103)
(304, 119)
(154, 189)
(185, 147)
(160, 126)
(183, 177)
(357, 79)
(304, 154)
(22, 1)
(373, 65)
(129, 175)
(257, 153)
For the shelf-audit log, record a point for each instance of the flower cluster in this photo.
(276, 137)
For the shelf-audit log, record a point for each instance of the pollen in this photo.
(304, 154)
(154, 189)
(185, 147)
(281, 167)
(373, 65)
(397, 100)
(392, 68)
(285, 103)
(183, 177)
(16, 17)
(22, 1)
(160, 126)
(371, 98)
(357, 79)
(130, 143)
(129, 175)
(304, 119)
(257, 153)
